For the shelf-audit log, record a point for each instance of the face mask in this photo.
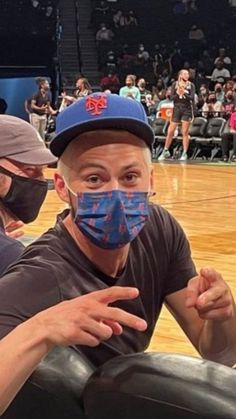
(25, 196)
(112, 219)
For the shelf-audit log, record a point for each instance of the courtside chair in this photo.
(196, 132)
(160, 127)
(214, 130)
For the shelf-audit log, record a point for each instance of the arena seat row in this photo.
(137, 386)
(205, 137)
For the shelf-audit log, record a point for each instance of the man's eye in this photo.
(131, 177)
(93, 179)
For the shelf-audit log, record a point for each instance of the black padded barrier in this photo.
(161, 386)
(54, 391)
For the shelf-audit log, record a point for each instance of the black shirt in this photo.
(187, 99)
(10, 250)
(53, 269)
(40, 100)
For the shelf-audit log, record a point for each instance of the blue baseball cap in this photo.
(100, 111)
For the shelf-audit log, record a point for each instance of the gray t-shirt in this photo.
(53, 269)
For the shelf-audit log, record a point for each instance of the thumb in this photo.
(192, 292)
(209, 274)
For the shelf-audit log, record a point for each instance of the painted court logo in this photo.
(95, 105)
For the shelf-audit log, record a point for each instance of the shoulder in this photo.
(11, 250)
(36, 95)
(162, 226)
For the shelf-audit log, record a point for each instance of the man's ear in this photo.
(152, 185)
(61, 188)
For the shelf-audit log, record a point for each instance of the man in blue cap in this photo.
(111, 235)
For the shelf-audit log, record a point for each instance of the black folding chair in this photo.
(160, 127)
(205, 145)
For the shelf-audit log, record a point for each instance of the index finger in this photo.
(109, 295)
(124, 318)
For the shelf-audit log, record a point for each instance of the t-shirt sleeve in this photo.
(176, 261)
(181, 266)
(27, 288)
(9, 254)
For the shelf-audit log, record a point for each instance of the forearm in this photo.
(218, 341)
(36, 108)
(20, 352)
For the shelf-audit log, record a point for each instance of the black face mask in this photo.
(25, 196)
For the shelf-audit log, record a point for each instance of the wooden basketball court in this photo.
(203, 200)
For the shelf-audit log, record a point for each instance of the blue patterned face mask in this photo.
(111, 219)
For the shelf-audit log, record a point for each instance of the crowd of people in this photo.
(175, 100)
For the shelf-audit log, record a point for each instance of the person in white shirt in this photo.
(220, 74)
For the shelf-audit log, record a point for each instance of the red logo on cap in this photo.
(95, 105)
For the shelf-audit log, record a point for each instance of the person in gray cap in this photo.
(22, 185)
(112, 235)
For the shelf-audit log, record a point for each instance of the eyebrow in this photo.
(90, 164)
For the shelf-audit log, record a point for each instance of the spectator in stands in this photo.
(119, 20)
(159, 91)
(83, 89)
(229, 140)
(130, 90)
(131, 19)
(211, 107)
(143, 54)
(202, 96)
(223, 57)
(104, 34)
(104, 37)
(229, 103)
(166, 76)
(144, 92)
(166, 104)
(100, 14)
(220, 74)
(229, 85)
(196, 34)
(219, 92)
(41, 107)
(110, 82)
(110, 62)
(22, 185)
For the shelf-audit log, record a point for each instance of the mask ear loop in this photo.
(69, 189)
